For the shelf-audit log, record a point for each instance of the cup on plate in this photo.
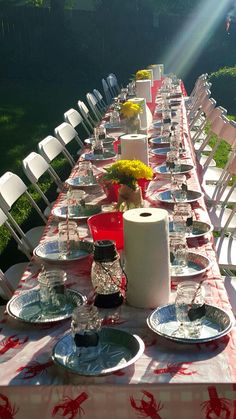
(68, 238)
(84, 173)
(178, 252)
(179, 188)
(52, 291)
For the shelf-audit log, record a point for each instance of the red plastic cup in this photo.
(108, 226)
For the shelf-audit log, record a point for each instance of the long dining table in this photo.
(169, 380)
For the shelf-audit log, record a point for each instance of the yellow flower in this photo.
(130, 109)
(143, 75)
(127, 172)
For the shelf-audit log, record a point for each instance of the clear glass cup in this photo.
(179, 188)
(190, 309)
(179, 223)
(178, 252)
(84, 172)
(68, 239)
(85, 327)
(172, 158)
(75, 198)
(184, 210)
(52, 292)
(100, 133)
(115, 118)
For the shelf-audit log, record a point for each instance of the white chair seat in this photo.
(198, 144)
(203, 160)
(34, 235)
(210, 195)
(212, 174)
(12, 277)
(219, 217)
(226, 252)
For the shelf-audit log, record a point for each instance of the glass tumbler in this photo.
(52, 291)
(68, 239)
(85, 327)
(179, 188)
(178, 252)
(190, 308)
(85, 173)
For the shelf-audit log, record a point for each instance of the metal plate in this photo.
(26, 307)
(197, 265)
(49, 252)
(107, 155)
(76, 182)
(107, 140)
(110, 125)
(119, 349)
(160, 151)
(192, 196)
(163, 170)
(199, 229)
(215, 324)
(163, 141)
(80, 213)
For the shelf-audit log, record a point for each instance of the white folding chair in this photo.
(107, 93)
(74, 118)
(35, 166)
(199, 135)
(195, 115)
(9, 280)
(113, 84)
(50, 148)
(65, 134)
(12, 188)
(92, 102)
(90, 122)
(102, 105)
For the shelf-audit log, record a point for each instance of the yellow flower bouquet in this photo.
(130, 110)
(128, 172)
(143, 75)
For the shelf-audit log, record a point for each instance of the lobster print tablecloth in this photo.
(169, 379)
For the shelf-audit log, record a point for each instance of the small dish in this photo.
(166, 197)
(199, 229)
(77, 183)
(164, 170)
(26, 307)
(49, 252)
(107, 155)
(107, 140)
(216, 323)
(197, 264)
(160, 151)
(160, 141)
(119, 349)
(79, 212)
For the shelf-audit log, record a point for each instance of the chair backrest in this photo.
(107, 93)
(92, 101)
(35, 166)
(65, 134)
(6, 289)
(100, 101)
(75, 119)
(113, 84)
(12, 188)
(85, 114)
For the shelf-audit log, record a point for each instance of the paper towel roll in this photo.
(143, 89)
(158, 71)
(147, 266)
(146, 115)
(134, 147)
(151, 75)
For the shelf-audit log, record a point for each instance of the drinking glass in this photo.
(68, 238)
(115, 118)
(85, 173)
(74, 199)
(178, 252)
(190, 309)
(85, 327)
(179, 188)
(184, 210)
(100, 133)
(52, 291)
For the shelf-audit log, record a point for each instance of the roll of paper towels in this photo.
(158, 71)
(151, 75)
(146, 115)
(134, 147)
(147, 260)
(144, 89)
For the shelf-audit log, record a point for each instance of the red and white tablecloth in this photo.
(169, 380)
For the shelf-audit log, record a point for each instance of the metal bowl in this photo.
(197, 264)
(166, 197)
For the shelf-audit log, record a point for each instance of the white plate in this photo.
(80, 213)
(49, 252)
(107, 155)
(166, 197)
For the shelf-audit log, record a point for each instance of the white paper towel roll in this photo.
(147, 266)
(144, 89)
(134, 147)
(146, 115)
(151, 75)
(158, 71)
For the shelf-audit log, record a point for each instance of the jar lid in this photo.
(104, 251)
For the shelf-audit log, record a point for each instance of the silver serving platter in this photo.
(119, 349)
(166, 197)
(76, 182)
(199, 229)
(107, 155)
(26, 307)
(197, 265)
(161, 151)
(164, 170)
(161, 141)
(109, 125)
(107, 140)
(49, 252)
(215, 324)
(80, 212)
